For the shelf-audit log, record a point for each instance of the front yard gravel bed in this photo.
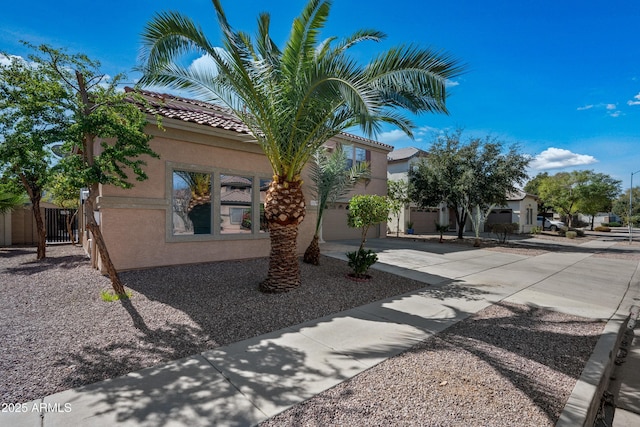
(507, 365)
(56, 332)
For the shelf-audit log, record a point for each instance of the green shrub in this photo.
(602, 228)
(562, 231)
(614, 224)
(536, 230)
(361, 260)
(503, 231)
(579, 231)
(571, 234)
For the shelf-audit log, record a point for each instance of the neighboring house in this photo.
(204, 197)
(521, 208)
(400, 161)
(600, 218)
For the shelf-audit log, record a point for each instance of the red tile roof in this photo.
(191, 110)
(208, 114)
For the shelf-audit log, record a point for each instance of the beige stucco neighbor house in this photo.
(204, 196)
(521, 208)
(424, 219)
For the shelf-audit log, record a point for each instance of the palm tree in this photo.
(9, 200)
(296, 98)
(331, 180)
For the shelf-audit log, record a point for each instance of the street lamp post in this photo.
(630, 207)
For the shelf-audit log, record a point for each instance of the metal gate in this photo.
(56, 223)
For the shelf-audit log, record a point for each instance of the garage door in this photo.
(502, 216)
(334, 225)
(424, 220)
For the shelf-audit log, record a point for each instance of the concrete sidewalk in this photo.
(252, 380)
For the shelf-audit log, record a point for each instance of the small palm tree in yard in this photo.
(295, 98)
(10, 200)
(331, 180)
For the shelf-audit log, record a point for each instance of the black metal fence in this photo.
(56, 223)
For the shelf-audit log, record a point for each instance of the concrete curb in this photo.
(582, 407)
(583, 404)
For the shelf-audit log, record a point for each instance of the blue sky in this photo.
(560, 78)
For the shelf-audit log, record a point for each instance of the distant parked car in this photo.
(550, 224)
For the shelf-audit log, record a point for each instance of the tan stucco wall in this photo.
(134, 221)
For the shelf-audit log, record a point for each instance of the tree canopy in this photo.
(584, 191)
(620, 206)
(475, 173)
(295, 98)
(33, 116)
(60, 97)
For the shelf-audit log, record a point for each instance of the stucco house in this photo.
(424, 220)
(204, 196)
(521, 208)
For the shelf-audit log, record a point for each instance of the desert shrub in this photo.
(504, 230)
(571, 234)
(536, 230)
(360, 261)
(579, 232)
(602, 228)
(562, 231)
(580, 223)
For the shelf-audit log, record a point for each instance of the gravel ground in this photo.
(508, 365)
(56, 333)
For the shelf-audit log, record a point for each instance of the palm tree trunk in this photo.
(284, 210)
(312, 254)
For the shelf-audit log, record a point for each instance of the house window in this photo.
(191, 203)
(235, 204)
(356, 155)
(210, 204)
(529, 216)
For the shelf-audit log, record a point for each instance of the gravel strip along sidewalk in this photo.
(507, 365)
(56, 333)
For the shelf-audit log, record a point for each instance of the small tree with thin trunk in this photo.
(105, 137)
(365, 211)
(32, 118)
(331, 180)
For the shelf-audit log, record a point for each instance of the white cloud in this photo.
(616, 113)
(451, 83)
(6, 60)
(205, 62)
(586, 107)
(611, 106)
(392, 136)
(637, 100)
(558, 158)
